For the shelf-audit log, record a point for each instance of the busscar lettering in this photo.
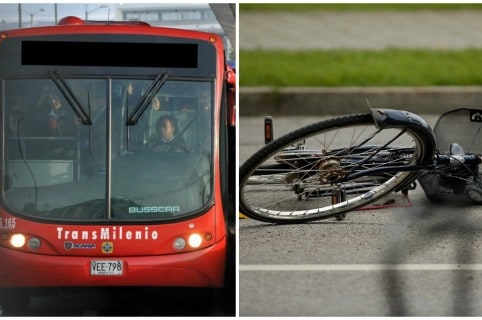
(107, 233)
(161, 209)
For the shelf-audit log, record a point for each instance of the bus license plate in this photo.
(106, 267)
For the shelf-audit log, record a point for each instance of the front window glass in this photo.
(107, 149)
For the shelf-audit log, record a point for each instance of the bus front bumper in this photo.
(202, 268)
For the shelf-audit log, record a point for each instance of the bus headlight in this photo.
(17, 240)
(195, 240)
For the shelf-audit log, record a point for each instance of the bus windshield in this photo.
(107, 148)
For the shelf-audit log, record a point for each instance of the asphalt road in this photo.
(421, 260)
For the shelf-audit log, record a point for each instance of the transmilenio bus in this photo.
(86, 200)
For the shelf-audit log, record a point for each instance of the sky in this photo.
(45, 12)
(9, 11)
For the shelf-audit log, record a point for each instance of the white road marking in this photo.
(359, 267)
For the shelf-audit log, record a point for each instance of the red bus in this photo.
(88, 196)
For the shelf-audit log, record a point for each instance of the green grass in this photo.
(359, 68)
(251, 7)
(394, 67)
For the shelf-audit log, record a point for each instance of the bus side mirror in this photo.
(231, 95)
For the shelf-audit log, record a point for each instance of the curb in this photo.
(292, 101)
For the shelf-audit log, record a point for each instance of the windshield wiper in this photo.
(70, 97)
(146, 99)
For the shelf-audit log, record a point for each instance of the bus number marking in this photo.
(7, 223)
(106, 267)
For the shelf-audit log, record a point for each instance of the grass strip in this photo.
(393, 67)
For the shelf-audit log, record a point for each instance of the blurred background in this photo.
(215, 18)
(423, 56)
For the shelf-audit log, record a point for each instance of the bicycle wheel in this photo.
(328, 168)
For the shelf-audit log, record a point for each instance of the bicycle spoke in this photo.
(306, 175)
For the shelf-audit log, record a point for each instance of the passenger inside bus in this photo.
(156, 104)
(162, 104)
(56, 118)
(166, 137)
(50, 117)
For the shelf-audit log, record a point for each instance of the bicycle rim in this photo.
(305, 175)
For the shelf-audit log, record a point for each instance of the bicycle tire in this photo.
(264, 170)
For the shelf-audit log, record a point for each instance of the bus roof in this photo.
(71, 24)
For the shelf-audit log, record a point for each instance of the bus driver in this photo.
(165, 139)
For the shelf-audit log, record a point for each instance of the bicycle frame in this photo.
(364, 165)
